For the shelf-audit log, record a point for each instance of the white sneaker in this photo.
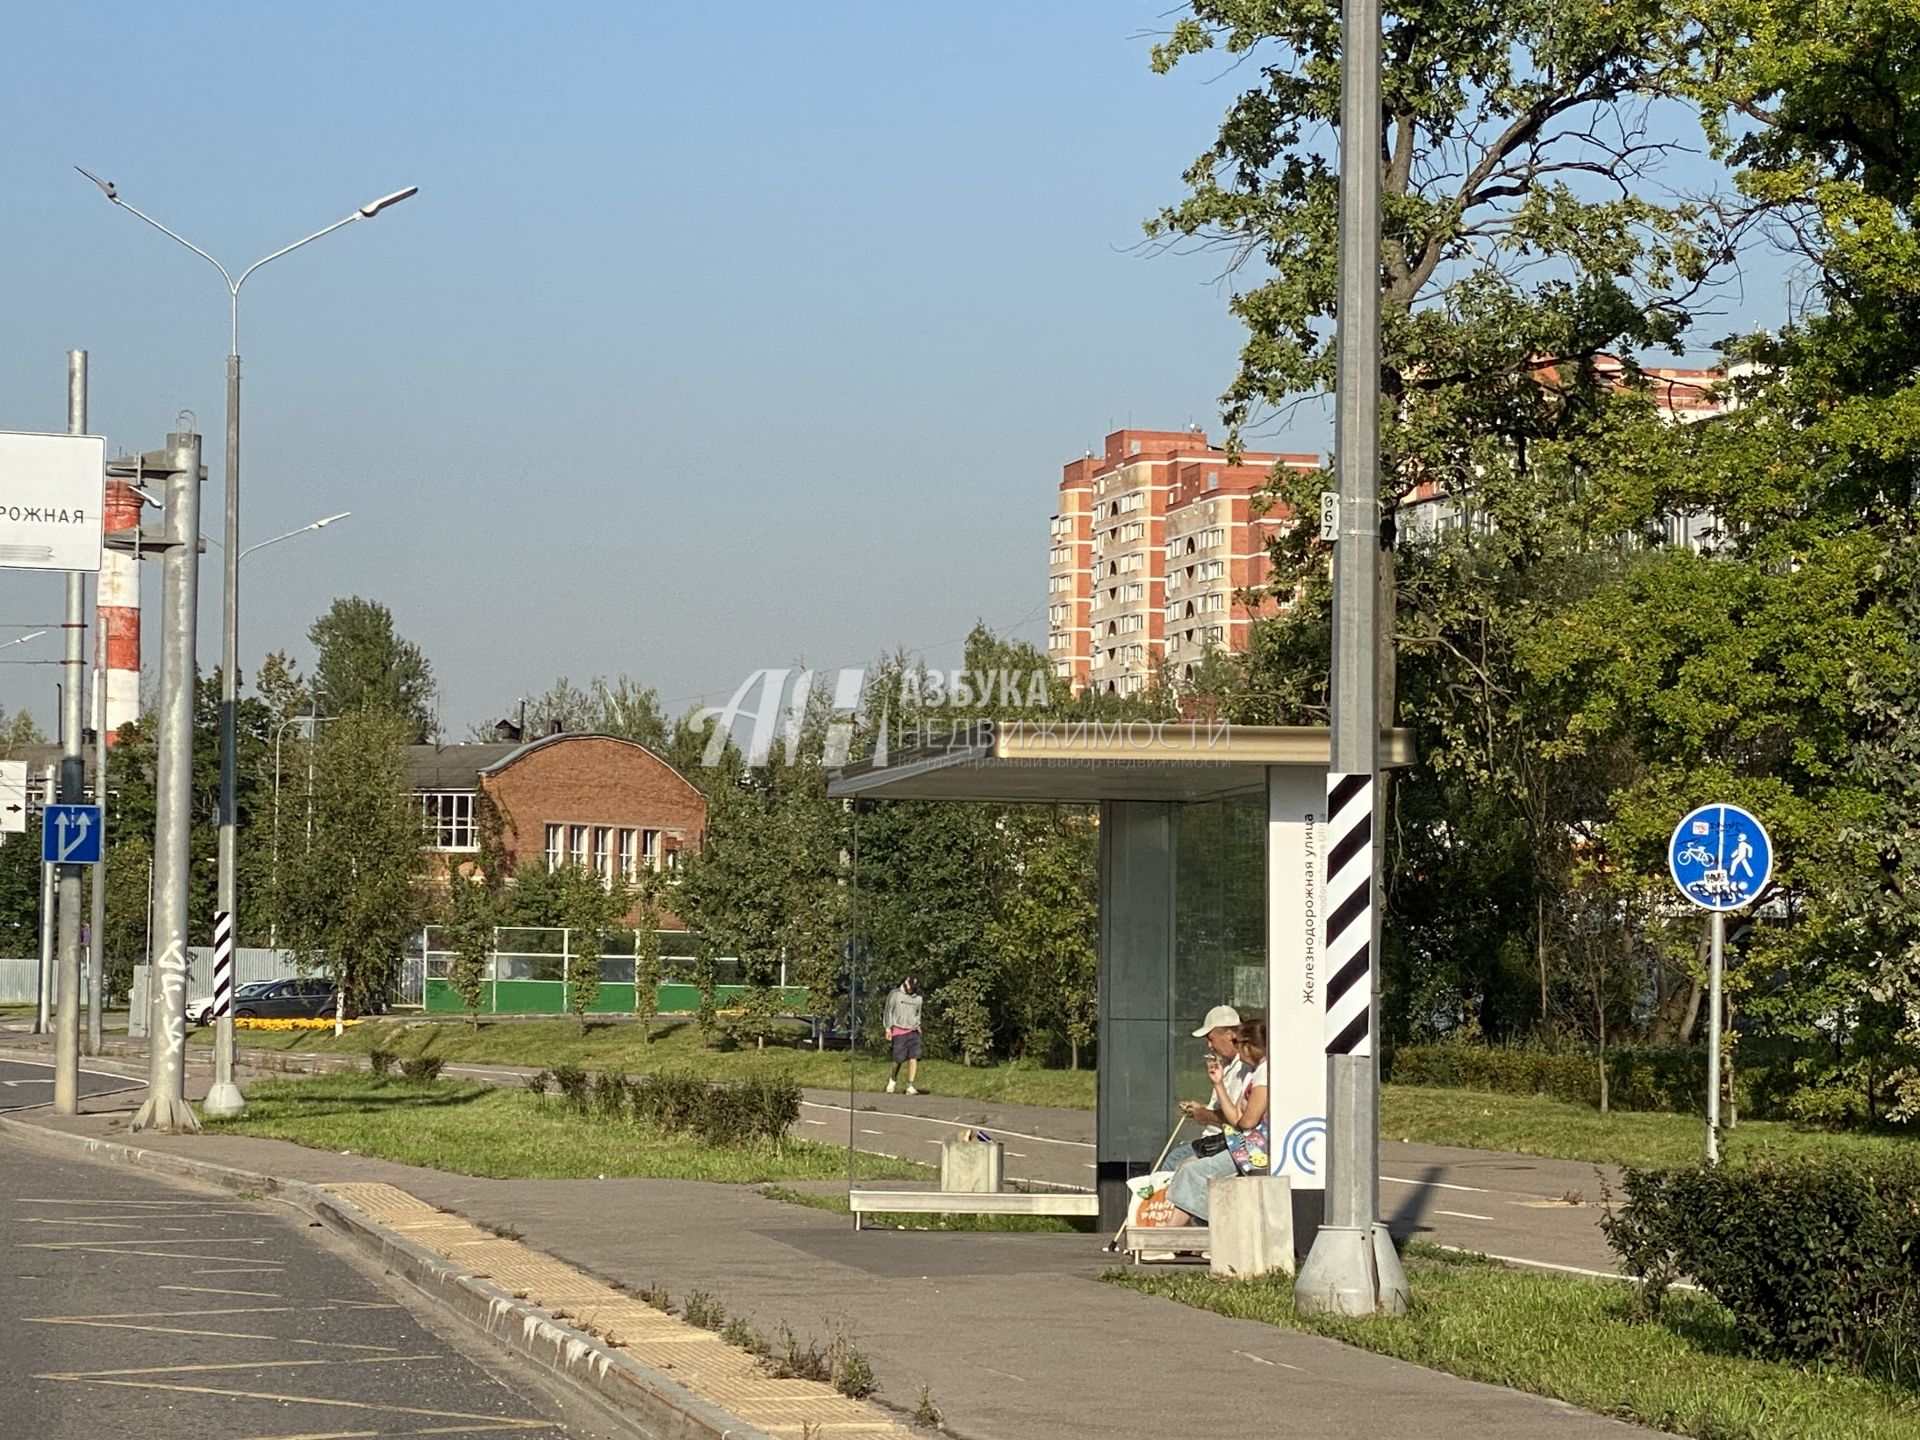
(889, 1087)
(912, 1091)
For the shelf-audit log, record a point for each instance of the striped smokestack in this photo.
(118, 646)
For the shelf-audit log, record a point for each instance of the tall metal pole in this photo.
(97, 930)
(1717, 952)
(166, 1108)
(73, 784)
(1352, 1268)
(224, 1097)
(43, 1009)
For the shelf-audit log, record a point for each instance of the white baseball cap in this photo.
(1219, 1016)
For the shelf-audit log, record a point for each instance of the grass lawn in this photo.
(880, 1220)
(508, 1134)
(1578, 1341)
(1534, 1125)
(618, 1045)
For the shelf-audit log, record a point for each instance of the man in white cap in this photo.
(1221, 1032)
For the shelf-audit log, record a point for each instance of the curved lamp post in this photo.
(224, 1098)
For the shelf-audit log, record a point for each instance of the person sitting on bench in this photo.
(1221, 1031)
(1244, 1110)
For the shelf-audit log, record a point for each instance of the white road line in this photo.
(1462, 1215)
(1436, 1185)
(1550, 1265)
(869, 1132)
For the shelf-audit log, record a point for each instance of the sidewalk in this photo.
(1013, 1336)
(1510, 1206)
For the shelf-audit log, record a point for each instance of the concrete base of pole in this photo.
(168, 1114)
(223, 1097)
(1351, 1271)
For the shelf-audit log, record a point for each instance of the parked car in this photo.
(289, 999)
(200, 1012)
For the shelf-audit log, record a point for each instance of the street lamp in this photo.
(319, 524)
(224, 1098)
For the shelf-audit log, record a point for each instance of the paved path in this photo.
(1520, 1208)
(134, 1305)
(1013, 1335)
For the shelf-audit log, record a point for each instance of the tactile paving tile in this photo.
(696, 1358)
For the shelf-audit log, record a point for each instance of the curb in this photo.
(663, 1409)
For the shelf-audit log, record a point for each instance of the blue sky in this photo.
(718, 337)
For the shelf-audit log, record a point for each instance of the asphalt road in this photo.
(134, 1305)
(23, 1086)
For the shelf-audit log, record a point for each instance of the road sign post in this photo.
(1721, 857)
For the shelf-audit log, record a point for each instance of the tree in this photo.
(355, 890)
(17, 729)
(361, 663)
(646, 966)
(707, 1016)
(471, 918)
(1046, 934)
(621, 707)
(590, 907)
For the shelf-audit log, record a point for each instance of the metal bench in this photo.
(969, 1202)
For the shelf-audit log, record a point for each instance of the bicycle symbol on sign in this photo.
(1697, 854)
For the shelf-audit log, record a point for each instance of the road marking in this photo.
(1436, 1185)
(1462, 1215)
(88, 1221)
(273, 1363)
(85, 1249)
(112, 1244)
(244, 1270)
(1564, 1269)
(209, 1290)
(89, 1322)
(873, 1132)
(492, 1422)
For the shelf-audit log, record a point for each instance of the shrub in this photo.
(1817, 1259)
(796, 1361)
(1638, 1077)
(539, 1083)
(610, 1094)
(673, 1100)
(852, 1371)
(422, 1068)
(571, 1081)
(739, 1333)
(769, 1105)
(380, 1062)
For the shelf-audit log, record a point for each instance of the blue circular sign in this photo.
(1720, 857)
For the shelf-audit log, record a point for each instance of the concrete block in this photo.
(1251, 1220)
(972, 1165)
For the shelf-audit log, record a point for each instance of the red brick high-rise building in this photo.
(1153, 542)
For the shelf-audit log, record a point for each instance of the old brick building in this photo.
(606, 804)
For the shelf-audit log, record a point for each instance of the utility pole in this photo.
(73, 784)
(43, 1006)
(1352, 1268)
(166, 1108)
(97, 930)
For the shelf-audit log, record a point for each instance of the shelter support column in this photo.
(1136, 1099)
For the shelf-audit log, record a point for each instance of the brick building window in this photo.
(577, 845)
(448, 816)
(556, 847)
(603, 853)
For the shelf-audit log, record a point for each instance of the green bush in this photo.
(610, 1094)
(422, 1068)
(730, 1113)
(1818, 1260)
(673, 1100)
(571, 1081)
(380, 1062)
(1638, 1077)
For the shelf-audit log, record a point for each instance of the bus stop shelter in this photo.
(1212, 839)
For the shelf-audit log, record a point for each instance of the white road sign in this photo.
(51, 489)
(13, 797)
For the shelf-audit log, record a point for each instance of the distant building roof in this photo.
(459, 767)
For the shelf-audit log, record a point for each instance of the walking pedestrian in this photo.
(903, 1032)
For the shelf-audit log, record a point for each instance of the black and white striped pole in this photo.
(224, 1098)
(1352, 1268)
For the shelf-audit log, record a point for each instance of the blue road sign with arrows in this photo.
(71, 834)
(1720, 857)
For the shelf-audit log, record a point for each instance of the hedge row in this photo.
(1816, 1259)
(731, 1112)
(1638, 1078)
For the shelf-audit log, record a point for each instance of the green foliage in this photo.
(610, 1094)
(1638, 1077)
(381, 1062)
(707, 1016)
(621, 707)
(702, 1309)
(471, 915)
(738, 1112)
(362, 664)
(354, 891)
(646, 968)
(1814, 1259)
(571, 1081)
(421, 1069)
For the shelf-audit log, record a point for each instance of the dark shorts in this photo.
(906, 1047)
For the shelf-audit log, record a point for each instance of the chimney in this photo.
(117, 634)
